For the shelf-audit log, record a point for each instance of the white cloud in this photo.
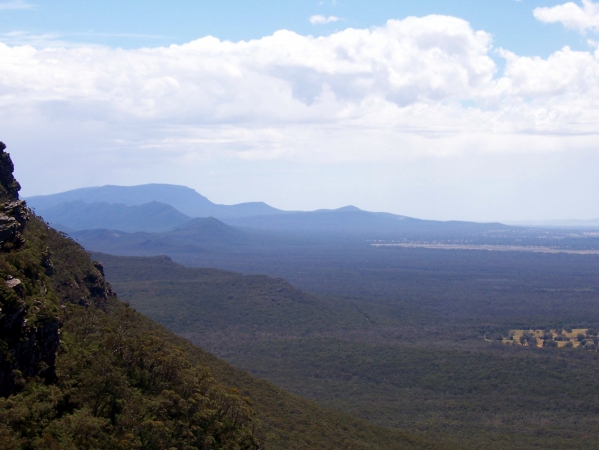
(322, 20)
(19, 38)
(414, 88)
(64, 40)
(571, 15)
(16, 4)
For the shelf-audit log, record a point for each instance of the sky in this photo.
(448, 110)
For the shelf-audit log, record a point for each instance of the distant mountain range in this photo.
(352, 220)
(163, 207)
(184, 199)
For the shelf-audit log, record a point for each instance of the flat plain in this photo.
(406, 338)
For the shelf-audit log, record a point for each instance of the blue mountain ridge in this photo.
(182, 198)
(161, 208)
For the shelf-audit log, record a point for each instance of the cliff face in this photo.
(29, 305)
(29, 337)
(13, 212)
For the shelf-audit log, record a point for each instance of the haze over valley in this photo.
(283, 225)
(403, 322)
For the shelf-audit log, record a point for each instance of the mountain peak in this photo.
(349, 208)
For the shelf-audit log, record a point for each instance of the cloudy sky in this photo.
(461, 109)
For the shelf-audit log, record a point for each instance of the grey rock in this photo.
(13, 217)
(13, 283)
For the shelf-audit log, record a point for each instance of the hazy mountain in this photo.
(78, 215)
(196, 236)
(354, 221)
(184, 199)
(155, 217)
(275, 234)
(144, 208)
(208, 230)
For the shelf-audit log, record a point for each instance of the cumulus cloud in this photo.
(322, 20)
(571, 15)
(413, 87)
(404, 62)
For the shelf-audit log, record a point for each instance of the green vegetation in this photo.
(114, 383)
(395, 364)
(122, 387)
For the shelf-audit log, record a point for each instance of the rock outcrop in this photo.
(9, 187)
(13, 217)
(29, 326)
(13, 212)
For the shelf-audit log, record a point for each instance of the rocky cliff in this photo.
(29, 306)
(27, 344)
(13, 212)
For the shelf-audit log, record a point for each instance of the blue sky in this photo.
(436, 109)
(131, 24)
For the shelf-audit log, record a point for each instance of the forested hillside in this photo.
(79, 369)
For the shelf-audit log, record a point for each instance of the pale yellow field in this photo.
(572, 337)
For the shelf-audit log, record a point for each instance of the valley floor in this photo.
(399, 341)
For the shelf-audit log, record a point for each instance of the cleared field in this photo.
(497, 248)
(560, 338)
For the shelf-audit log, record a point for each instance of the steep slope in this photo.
(78, 371)
(217, 307)
(184, 199)
(28, 327)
